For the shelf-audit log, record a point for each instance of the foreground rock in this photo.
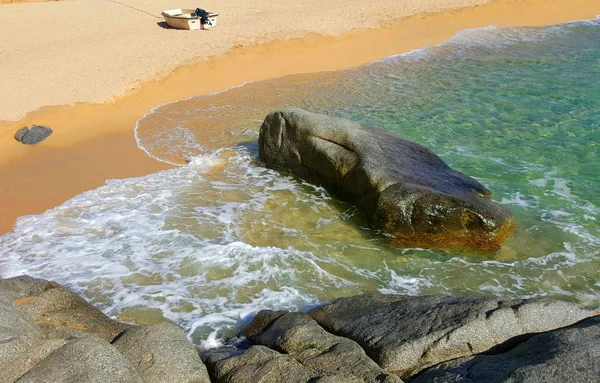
(49, 334)
(257, 364)
(401, 187)
(22, 345)
(83, 360)
(405, 334)
(161, 353)
(56, 311)
(291, 347)
(36, 134)
(566, 355)
(300, 337)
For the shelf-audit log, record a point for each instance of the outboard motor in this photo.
(203, 15)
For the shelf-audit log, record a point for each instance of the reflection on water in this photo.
(207, 243)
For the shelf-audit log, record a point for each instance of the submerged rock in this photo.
(401, 187)
(36, 134)
(406, 334)
(570, 354)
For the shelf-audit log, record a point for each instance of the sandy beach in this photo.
(89, 69)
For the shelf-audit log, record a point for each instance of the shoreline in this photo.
(95, 142)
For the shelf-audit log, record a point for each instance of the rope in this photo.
(137, 9)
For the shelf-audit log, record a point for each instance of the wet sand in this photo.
(93, 142)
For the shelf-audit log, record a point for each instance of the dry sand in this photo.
(57, 53)
(103, 54)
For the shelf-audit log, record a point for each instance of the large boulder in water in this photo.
(401, 187)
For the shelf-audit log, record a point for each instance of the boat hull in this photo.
(187, 19)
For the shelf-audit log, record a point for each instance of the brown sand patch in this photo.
(21, 301)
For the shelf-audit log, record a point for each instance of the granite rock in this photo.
(571, 354)
(405, 334)
(59, 313)
(161, 353)
(36, 134)
(21, 133)
(299, 336)
(257, 364)
(83, 360)
(401, 187)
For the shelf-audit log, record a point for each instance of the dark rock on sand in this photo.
(36, 134)
(21, 133)
(57, 312)
(299, 336)
(84, 360)
(160, 352)
(257, 364)
(406, 334)
(401, 187)
(569, 355)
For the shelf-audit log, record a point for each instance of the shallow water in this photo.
(210, 242)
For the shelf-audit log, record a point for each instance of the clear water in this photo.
(208, 243)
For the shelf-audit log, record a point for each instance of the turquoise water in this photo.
(212, 241)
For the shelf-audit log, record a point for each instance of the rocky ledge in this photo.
(401, 187)
(48, 334)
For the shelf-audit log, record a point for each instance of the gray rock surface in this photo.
(21, 342)
(299, 336)
(24, 361)
(406, 334)
(401, 187)
(569, 355)
(35, 135)
(49, 334)
(21, 133)
(84, 360)
(58, 313)
(24, 286)
(257, 364)
(18, 332)
(161, 353)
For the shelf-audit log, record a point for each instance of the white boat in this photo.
(187, 19)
